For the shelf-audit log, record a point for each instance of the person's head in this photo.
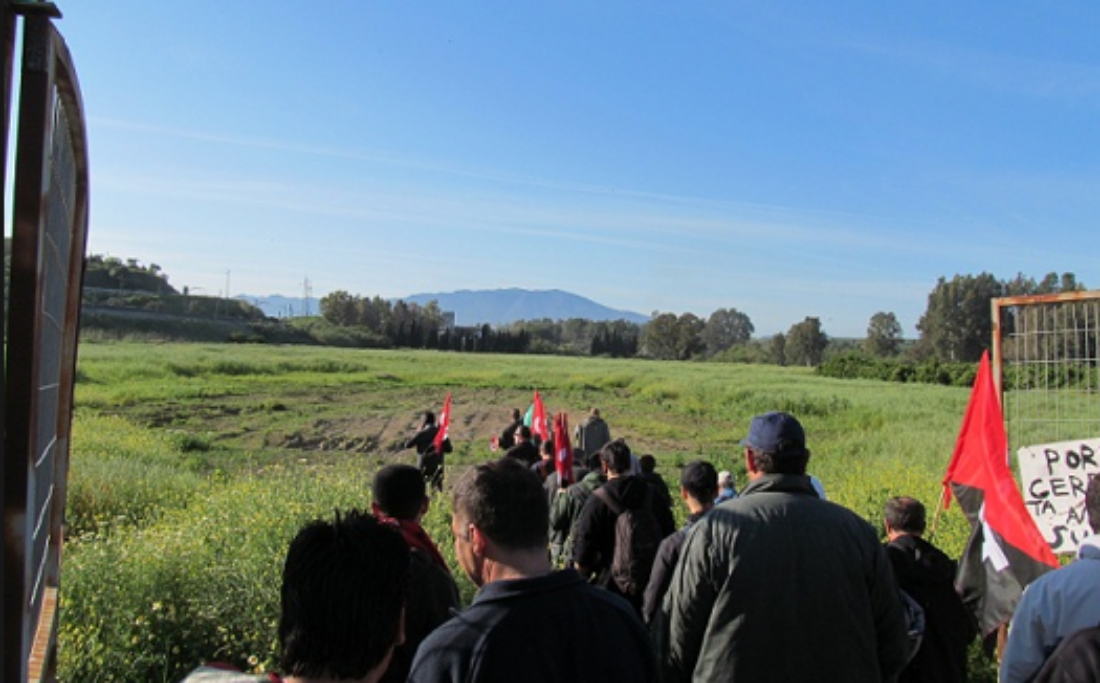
(516, 415)
(725, 479)
(1092, 503)
(776, 444)
(699, 480)
(595, 412)
(498, 507)
(399, 492)
(648, 463)
(523, 433)
(615, 457)
(343, 598)
(547, 449)
(904, 516)
(428, 418)
(593, 460)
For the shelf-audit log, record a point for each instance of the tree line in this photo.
(956, 327)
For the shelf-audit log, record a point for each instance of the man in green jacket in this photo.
(566, 508)
(780, 585)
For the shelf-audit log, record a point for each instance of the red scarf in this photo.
(416, 537)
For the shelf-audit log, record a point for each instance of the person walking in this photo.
(780, 585)
(527, 622)
(927, 575)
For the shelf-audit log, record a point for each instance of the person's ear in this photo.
(425, 505)
(478, 540)
(683, 494)
(375, 510)
(750, 461)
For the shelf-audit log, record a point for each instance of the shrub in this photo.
(200, 584)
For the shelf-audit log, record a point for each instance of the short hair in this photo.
(647, 462)
(595, 412)
(429, 418)
(700, 480)
(516, 415)
(548, 447)
(344, 587)
(781, 463)
(505, 500)
(592, 461)
(616, 455)
(524, 432)
(399, 490)
(1092, 502)
(905, 514)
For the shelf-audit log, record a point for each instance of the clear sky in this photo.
(793, 159)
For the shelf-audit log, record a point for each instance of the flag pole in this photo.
(939, 508)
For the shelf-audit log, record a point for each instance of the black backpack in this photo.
(637, 537)
(1076, 658)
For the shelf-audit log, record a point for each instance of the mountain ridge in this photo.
(476, 306)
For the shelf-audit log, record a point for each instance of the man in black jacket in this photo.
(525, 449)
(527, 622)
(428, 459)
(507, 437)
(928, 576)
(594, 545)
(698, 489)
(400, 499)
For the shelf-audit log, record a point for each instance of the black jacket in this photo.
(526, 452)
(928, 576)
(595, 535)
(546, 629)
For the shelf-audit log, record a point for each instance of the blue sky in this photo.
(787, 159)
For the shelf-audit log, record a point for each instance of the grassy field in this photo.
(193, 466)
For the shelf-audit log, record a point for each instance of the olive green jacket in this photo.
(779, 585)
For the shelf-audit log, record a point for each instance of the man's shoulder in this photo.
(423, 567)
(1081, 570)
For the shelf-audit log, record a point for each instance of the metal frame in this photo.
(996, 306)
(50, 221)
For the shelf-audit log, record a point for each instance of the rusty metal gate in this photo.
(49, 233)
(1047, 364)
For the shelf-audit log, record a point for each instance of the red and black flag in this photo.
(1006, 551)
(563, 456)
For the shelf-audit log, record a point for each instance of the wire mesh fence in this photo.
(1046, 360)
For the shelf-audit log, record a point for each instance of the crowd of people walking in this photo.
(586, 577)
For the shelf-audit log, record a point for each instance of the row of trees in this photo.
(957, 324)
(955, 327)
(110, 272)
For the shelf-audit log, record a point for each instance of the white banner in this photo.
(1054, 477)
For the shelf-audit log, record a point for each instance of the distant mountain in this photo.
(473, 307)
(279, 306)
(503, 306)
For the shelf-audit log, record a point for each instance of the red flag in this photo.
(1006, 550)
(444, 425)
(563, 460)
(538, 420)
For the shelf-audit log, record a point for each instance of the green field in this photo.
(193, 466)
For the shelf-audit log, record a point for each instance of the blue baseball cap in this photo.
(775, 432)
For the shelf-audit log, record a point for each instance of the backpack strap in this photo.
(602, 495)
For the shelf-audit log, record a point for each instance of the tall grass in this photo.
(185, 489)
